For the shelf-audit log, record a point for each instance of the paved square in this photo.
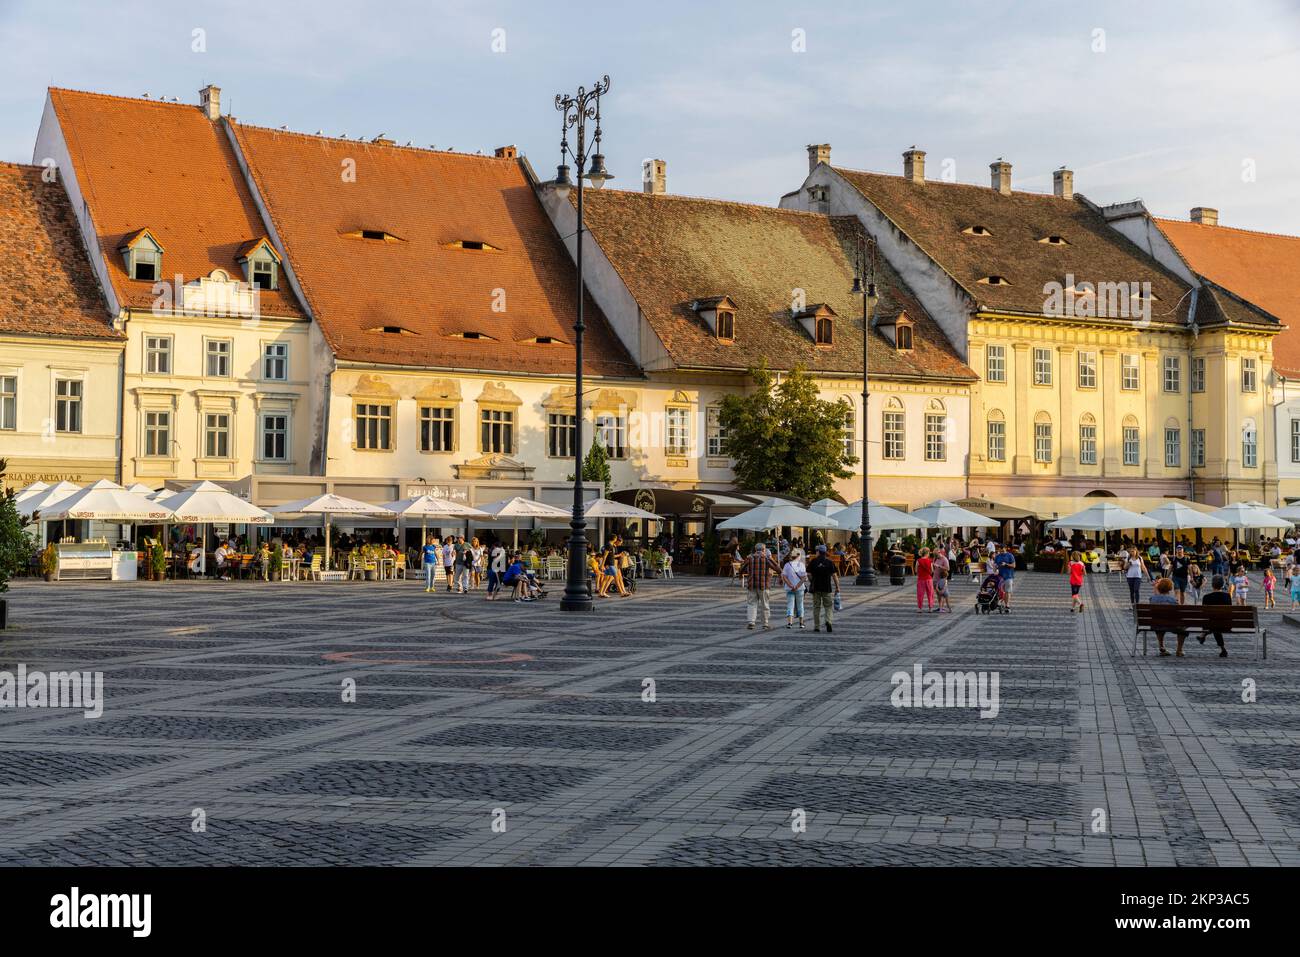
(225, 704)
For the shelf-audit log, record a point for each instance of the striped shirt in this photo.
(758, 571)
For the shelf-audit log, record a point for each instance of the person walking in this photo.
(1134, 571)
(794, 575)
(449, 561)
(924, 581)
(1076, 569)
(1240, 585)
(429, 559)
(1179, 569)
(941, 600)
(758, 572)
(1006, 566)
(824, 583)
(1270, 582)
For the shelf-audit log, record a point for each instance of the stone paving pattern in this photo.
(226, 697)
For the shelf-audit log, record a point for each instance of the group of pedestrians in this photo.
(818, 578)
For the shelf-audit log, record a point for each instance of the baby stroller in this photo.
(990, 597)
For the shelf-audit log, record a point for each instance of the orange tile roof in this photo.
(419, 282)
(167, 168)
(1261, 267)
(671, 250)
(47, 286)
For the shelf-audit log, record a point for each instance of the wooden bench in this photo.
(1195, 620)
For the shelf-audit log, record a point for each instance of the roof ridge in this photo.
(682, 197)
(392, 146)
(117, 96)
(940, 182)
(1235, 229)
(26, 167)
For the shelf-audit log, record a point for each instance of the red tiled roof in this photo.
(429, 200)
(672, 250)
(167, 168)
(1263, 268)
(47, 286)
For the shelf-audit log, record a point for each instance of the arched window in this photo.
(997, 436)
(1042, 438)
(893, 433)
(1087, 440)
(1132, 441)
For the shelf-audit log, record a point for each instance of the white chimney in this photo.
(914, 165)
(654, 177)
(1063, 183)
(818, 153)
(210, 101)
(1205, 215)
(1001, 177)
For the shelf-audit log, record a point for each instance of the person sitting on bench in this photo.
(1164, 595)
(1219, 596)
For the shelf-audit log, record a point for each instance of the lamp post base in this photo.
(867, 576)
(580, 602)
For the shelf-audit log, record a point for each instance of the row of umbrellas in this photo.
(1174, 516)
(828, 513)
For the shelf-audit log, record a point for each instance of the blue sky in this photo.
(1185, 101)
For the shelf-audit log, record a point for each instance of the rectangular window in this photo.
(157, 433)
(1198, 373)
(612, 430)
(263, 273)
(275, 361)
(1295, 440)
(677, 423)
(497, 431)
(936, 443)
(1131, 446)
(726, 325)
(8, 402)
(437, 428)
(218, 353)
(996, 364)
(1087, 445)
(374, 426)
(997, 441)
(850, 439)
(67, 396)
(1173, 374)
(275, 437)
(717, 434)
(1198, 448)
(1247, 375)
(216, 435)
(1173, 448)
(893, 447)
(1129, 372)
(1042, 441)
(158, 355)
(561, 435)
(1087, 370)
(1249, 457)
(1042, 367)
(146, 264)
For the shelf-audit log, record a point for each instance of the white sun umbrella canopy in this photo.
(207, 503)
(775, 513)
(603, 508)
(1104, 517)
(519, 507)
(27, 491)
(327, 506)
(883, 518)
(943, 514)
(45, 498)
(828, 506)
(1289, 512)
(140, 489)
(1175, 516)
(1244, 515)
(425, 507)
(107, 501)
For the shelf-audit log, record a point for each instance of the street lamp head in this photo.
(598, 175)
(562, 184)
(857, 287)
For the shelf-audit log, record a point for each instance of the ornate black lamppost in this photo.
(576, 110)
(864, 285)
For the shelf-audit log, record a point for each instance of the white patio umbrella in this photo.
(603, 508)
(207, 503)
(1289, 512)
(1177, 516)
(139, 488)
(44, 498)
(943, 514)
(828, 506)
(106, 501)
(29, 490)
(1244, 515)
(1104, 517)
(775, 513)
(883, 518)
(519, 507)
(327, 506)
(428, 506)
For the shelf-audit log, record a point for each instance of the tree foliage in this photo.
(15, 544)
(784, 437)
(595, 467)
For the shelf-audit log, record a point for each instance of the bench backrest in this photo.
(1220, 618)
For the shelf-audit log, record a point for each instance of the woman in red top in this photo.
(1076, 569)
(925, 580)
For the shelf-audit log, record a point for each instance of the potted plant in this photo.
(49, 562)
(277, 562)
(158, 561)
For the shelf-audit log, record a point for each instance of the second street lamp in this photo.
(575, 111)
(864, 285)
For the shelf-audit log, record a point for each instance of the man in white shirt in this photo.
(224, 553)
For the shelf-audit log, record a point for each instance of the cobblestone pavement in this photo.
(226, 698)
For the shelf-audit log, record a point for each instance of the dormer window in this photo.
(1054, 241)
(977, 231)
(392, 330)
(898, 330)
(995, 281)
(719, 314)
(143, 255)
(541, 341)
(261, 264)
(903, 338)
(726, 325)
(474, 244)
(825, 331)
(475, 336)
(373, 236)
(818, 321)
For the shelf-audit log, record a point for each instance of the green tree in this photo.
(595, 467)
(15, 544)
(784, 437)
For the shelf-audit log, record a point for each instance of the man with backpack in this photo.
(823, 585)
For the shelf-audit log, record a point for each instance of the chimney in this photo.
(818, 153)
(914, 165)
(1063, 183)
(210, 101)
(507, 152)
(1001, 177)
(1205, 215)
(654, 177)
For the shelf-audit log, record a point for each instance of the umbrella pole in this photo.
(327, 541)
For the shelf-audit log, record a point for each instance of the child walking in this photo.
(1270, 580)
(1295, 587)
(1196, 579)
(1240, 586)
(1076, 569)
(941, 589)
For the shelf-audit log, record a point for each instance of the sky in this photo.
(1180, 103)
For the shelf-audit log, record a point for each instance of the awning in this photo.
(996, 510)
